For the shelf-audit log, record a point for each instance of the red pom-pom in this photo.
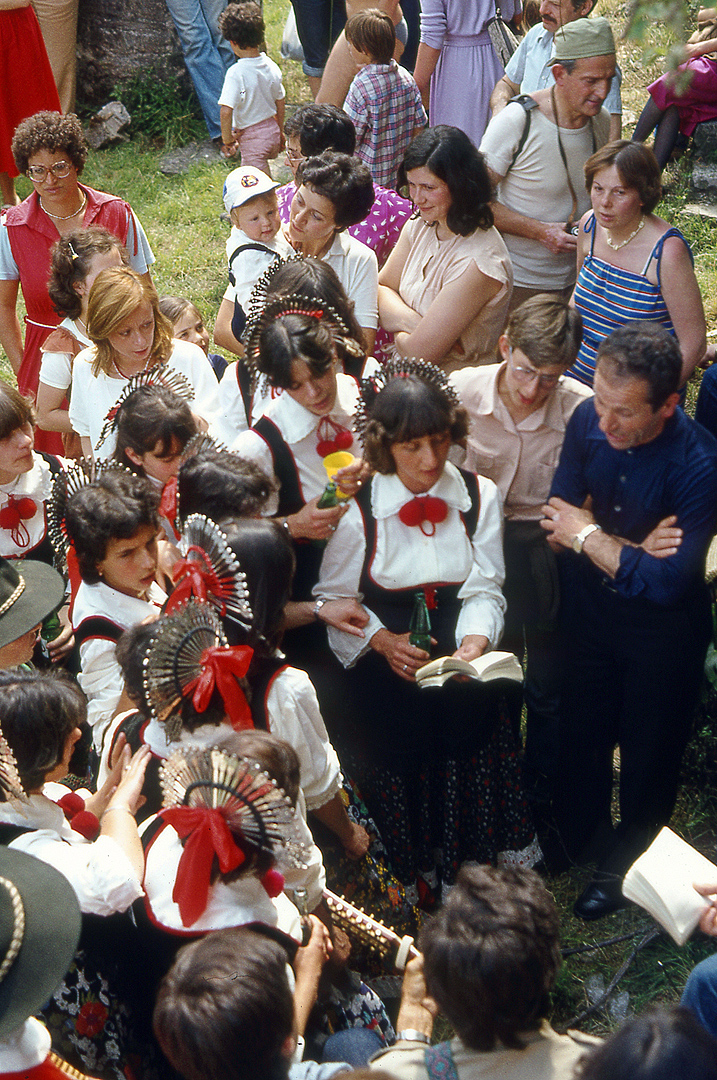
(27, 507)
(325, 447)
(71, 804)
(273, 882)
(411, 513)
(86, 824)
(343, 440)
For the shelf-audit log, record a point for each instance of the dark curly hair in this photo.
(664, 1043)
(221, 484)
(492, 953)
(643, 350)
(70, 264)
(49, 131)
(322, 127)
(243, 25)
(637, 168)
(317, 281)
(408, 408)
(113, 507)
(343, 180)
(15, 410)
(450, 155)
(38, 712)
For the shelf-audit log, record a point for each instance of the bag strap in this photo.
(248, 247)
(527, 103)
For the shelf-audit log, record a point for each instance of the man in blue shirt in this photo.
(633, 506)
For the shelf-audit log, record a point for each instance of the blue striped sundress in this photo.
(607, 297)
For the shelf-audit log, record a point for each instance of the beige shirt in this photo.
(433, 263)
(521, 458)
(547, 1056)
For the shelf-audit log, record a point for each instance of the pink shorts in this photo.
(259, 142)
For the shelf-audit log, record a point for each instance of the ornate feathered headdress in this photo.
(227, 807)
(189, 657)
(65, 483)
(160, 375)
(209, 571)
(398, 368)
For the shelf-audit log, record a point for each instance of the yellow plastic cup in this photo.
(333, 462)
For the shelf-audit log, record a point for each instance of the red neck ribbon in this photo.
(207, 834)
(422, 509)
(221, 667)
(168, 502)
(332, 437)
(195, 580)
(12, 517)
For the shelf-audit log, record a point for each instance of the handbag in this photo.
(502, 37)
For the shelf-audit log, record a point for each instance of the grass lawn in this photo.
(181, 216)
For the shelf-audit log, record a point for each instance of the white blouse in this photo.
(35, 484)
(56, 367)
(405, 558)
(99, 871)
(100, 675)
(299, 428)
(93, 396)
(235, 904)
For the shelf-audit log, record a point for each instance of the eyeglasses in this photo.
(38, 173)
(529, 375)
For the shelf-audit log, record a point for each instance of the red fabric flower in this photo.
(91, 1019)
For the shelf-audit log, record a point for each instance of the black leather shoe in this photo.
(601, 897)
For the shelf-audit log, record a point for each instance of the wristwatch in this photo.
(579, 540)
(317, 609)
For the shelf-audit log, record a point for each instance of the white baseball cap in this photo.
(243, 184)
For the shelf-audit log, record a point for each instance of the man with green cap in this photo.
(536, 149)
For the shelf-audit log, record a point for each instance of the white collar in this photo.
(389, 494)
(25, 1048)
(38, 812)
(296, 422)
(122, 609)
(155, 737)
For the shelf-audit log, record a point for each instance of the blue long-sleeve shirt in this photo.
(632, 490)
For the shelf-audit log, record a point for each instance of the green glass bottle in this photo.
(419, 628)
(329, 496)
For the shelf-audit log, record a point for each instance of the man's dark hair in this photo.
(643, 350)
(662, 1044)
(491, 955)
(225, 1010)
(322, 127)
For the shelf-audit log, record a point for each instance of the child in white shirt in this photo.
(255, 241)
(251, 104)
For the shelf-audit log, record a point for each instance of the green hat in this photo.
(29, 591)
(39, 929)
(582, 39)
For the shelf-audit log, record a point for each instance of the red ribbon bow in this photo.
(12, 517)
(342, 437)
(221, 667)
(199, 581)
(168, 502)
(422, 509)
(207, 835)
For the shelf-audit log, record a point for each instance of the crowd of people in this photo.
(447, 421)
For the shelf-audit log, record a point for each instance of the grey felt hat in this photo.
(29, 591)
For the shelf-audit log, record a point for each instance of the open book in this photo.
(492, 665)
(661, 881)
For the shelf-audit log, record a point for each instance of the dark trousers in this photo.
(632, 678)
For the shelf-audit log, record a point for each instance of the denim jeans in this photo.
(318, 23)
(206, 54)
(700, 994)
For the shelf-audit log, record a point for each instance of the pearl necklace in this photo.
(624, 243)
(66, 217)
